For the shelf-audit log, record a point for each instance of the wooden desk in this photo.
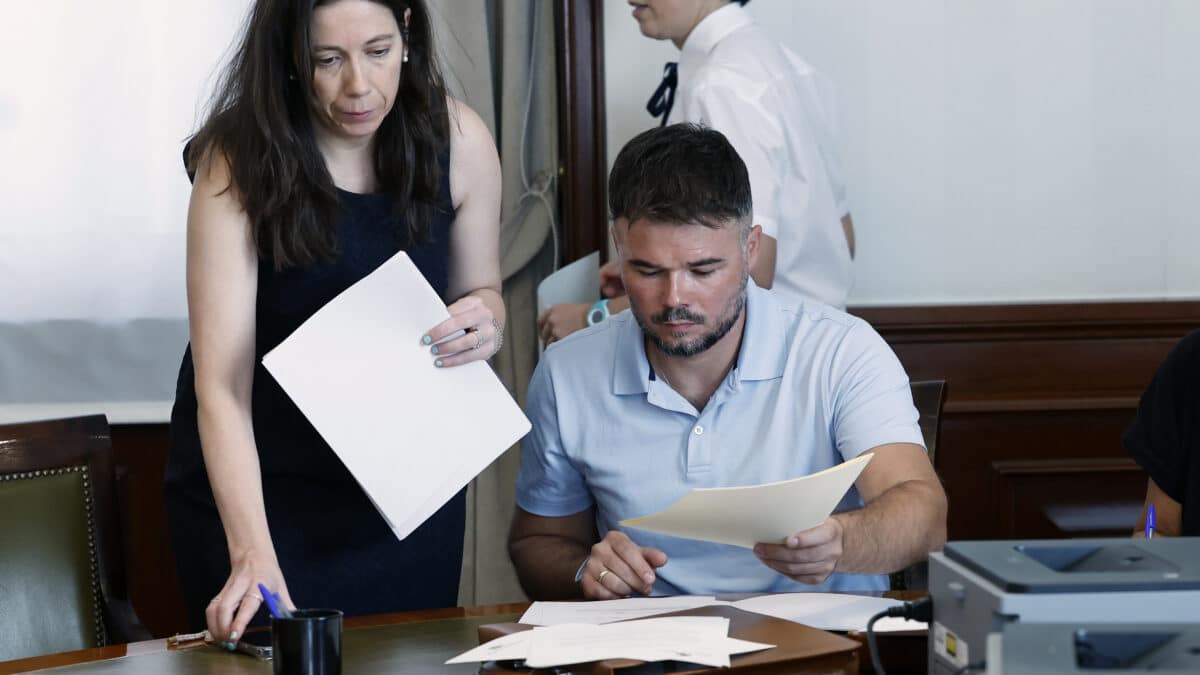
(424, 643)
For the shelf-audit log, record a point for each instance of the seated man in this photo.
(1165, 440)
(711, 381)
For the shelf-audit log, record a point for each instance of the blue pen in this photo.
(274, 605)
(1150, 522)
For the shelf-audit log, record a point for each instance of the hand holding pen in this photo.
(274, 604)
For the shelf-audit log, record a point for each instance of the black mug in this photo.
(308, 643)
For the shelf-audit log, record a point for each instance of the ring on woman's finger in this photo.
(216, 599)
(601, 577)
(478, 340)
(256, 596)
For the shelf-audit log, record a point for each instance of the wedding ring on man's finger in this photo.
(601, 577)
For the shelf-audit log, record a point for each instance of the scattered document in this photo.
(411, 434)
(511, 647)
(830, 611)
(745, 516)
(578, 282)
(702, 640)
(607, 611)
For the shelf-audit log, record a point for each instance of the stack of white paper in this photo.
(691, 639)
(607, 611)
(827, 611)
(411, 434)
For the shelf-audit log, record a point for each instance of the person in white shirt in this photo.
(777, 112)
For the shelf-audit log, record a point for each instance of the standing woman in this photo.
(331, 146)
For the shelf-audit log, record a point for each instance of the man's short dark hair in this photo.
(682, 173)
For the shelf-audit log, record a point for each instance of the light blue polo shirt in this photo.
(812, 387)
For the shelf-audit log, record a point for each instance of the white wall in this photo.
(96, 100)
(1021, 150)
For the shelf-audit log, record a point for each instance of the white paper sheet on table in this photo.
(411, 434)
(830, 611)
(745, 516)
(702, 640)
(607, 611)
(578, 282)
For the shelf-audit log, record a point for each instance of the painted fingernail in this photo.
(438, 363)
(426, 339)
(792, 542)
(434, 350)
(233, 635)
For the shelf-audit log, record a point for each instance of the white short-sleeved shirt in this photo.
(812, 387)
(778, 113)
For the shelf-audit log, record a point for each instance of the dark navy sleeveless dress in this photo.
(334, 548)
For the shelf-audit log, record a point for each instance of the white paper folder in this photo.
(411, 434)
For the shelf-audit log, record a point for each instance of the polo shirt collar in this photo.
(762, 355)
(764, 350)
(631, 368)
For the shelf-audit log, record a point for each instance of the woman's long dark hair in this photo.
(260, 119)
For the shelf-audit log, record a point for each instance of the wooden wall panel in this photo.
(582, 130)
(140, 456)
(1037, 399)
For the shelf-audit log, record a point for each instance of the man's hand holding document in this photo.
(412, 434)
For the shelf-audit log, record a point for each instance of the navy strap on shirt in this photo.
(664, 97)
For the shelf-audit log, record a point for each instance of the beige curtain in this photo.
(499, 57)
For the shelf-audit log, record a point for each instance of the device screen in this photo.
(257, 644)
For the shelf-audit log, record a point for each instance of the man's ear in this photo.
(753, 242)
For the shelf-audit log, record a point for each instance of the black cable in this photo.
(919, 610)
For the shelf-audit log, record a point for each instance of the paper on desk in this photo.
(511, 647)
(606, 611)
(411, 434)
(745, 516)
(578, 282)
(830, 611)
(692, 639)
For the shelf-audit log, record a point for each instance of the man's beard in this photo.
(702, 343)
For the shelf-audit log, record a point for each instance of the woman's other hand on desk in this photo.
(482, 336)
(231, 610)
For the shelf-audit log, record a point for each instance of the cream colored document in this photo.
(411, 434)
(745, 516)
(607, 611)
(830, 611)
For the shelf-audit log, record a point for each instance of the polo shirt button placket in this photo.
(698, 457)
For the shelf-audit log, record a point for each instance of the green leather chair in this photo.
(62, 577)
